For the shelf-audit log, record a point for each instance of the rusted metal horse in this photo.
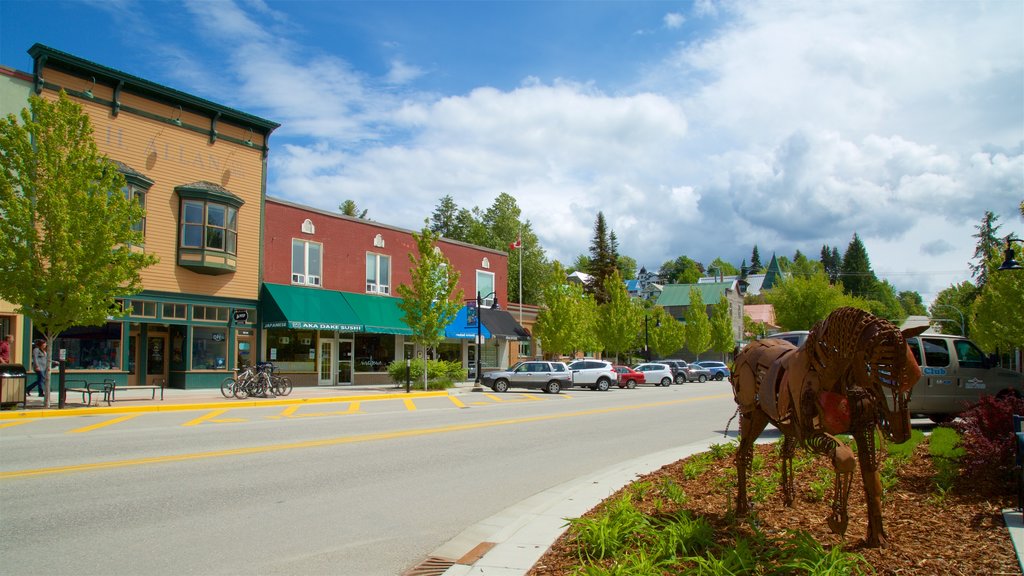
(854, 373)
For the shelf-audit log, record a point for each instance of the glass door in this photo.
(133, 359)
(326, 368)
(345, 362)
(156, 359)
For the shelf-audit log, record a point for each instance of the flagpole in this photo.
(519, 240)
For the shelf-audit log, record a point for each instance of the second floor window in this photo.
(209, 225)
(132, 192)
(485, 287)
(378, 273)
(306, 263)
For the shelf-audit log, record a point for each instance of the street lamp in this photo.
(647, 349)
(479, 336)
(955, 309)
(1008, 262)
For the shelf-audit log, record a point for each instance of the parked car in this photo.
(683, 372)
(719, 370)
(629, 378)
(551, 377)
(594, 374)
(656, 373)
(796, 337)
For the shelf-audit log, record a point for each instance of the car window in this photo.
(935, 352)
(915, 349)
(578, 365)
(968, 354)
(558, 367)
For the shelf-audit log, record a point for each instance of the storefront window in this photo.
(209, 348)
(450, 351)
(374, 352)
(292, 350)
(91, 347)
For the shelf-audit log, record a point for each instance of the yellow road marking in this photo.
(229, 420)
(409, 404)
(208, 416)
(353, 407)
(9, 424)
(289, 411)
(458, 403)
(334, 441)
(102, 424)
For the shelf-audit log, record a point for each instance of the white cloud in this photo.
(673, 20)
(402, 73)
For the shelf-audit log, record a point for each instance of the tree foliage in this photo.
(955, 305)
(719, 267)
(604, 259)
(722, 340)
(431, 301)
(800, 302)
(69, 244)
(567, 322)
(857, 277)
(349, 208)
(755, 262)
(698, 326)
(988, 244)
(831, 262)
(682, 270)
(998, 323)
(665, 334)
(912, 303)
(620, 319)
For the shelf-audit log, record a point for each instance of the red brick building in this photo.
(329, 308)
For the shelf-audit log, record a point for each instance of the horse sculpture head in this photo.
(871, 354)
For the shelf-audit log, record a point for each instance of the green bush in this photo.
(441, 374)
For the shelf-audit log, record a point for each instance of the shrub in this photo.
(987, 438)
(441, 374)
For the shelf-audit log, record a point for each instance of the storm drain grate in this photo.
(431, 566)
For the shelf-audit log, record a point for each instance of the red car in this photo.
(629, 378)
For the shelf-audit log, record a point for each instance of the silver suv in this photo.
(594, 374)
(550, 377)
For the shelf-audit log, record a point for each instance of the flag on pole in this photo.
(516, 245)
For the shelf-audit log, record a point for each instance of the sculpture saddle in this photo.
(773, 382)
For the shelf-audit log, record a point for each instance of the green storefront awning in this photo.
(307, 308)
(378, 314)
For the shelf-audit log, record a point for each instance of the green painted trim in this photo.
(203, 266)
(212, 193)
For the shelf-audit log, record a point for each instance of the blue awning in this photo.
(461, 328)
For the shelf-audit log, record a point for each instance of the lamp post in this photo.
(1008, 262)
(963, 331)
(479, 335)
(716, 276)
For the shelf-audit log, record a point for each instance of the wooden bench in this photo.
(114, 389)
(87, 389)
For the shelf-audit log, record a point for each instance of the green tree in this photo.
(755, 262)
(682, 270)
(430, 302)
(800, 302)
(665, 334)
(997, 322)
(70, 244)
(912, 303)
(884, 303)
(804, 267)
(857, 277)
(604, 259)
(831, 262)
(627, 267)
(568, 320)
(445, 220)
(722, 340)
(349, 208)
(620, 319)
(719, 267)
(698, 326)
(955, 305)
(988, 244)
(752, 329)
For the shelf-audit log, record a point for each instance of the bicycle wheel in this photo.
(227, 387)
(242, 389)
(286, 386)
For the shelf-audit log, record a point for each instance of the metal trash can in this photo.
(12, 384)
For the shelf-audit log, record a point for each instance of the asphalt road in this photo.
(330, 489)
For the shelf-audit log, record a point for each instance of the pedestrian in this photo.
(5, 349)
(41, 365)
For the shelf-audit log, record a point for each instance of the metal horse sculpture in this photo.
(854, 373)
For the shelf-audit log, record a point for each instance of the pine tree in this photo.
(604, 259)
(445, 220)
(857, 276)
(988, 244)
(755, 262)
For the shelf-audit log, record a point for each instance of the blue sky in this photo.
(698, 128)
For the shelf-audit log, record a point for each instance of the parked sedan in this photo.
(719, 370)
(695, 371)
(656, 373)
(629, 378)
(551, 377)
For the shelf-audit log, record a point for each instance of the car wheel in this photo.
(666, 381)
(603, 384)
(680, 379)
(553, 387)
(702, 378)
(720, 376)
(501, 386)
(631, 384)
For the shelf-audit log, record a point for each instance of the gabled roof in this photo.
(581, 277)
(772, 275)
(761, 313)
(679, 294)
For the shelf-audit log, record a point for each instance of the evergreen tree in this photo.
(857, 277)
(698, 326)
(831, 262)
(755, 262)
(988, 244)
(349, 208)
(445, 220)
(604, 259)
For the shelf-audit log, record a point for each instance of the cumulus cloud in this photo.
(673, 20)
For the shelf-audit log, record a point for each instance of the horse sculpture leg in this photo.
(751, 425)
(843, 462)
(788, 449)
(867, 457)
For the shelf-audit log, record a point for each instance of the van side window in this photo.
(915, 349)
(968, 354)
(936, 354)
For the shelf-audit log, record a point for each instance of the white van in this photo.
(955, 374)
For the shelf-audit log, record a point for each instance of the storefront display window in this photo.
(209, 348)
(177, 347)
(374, 352)
(450, 351)
(91, 347)
(292, 350)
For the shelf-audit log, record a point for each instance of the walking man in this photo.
(41, 366)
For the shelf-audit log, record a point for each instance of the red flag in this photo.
(516, 245)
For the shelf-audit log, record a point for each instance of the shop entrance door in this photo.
(156, 360)
(344, 362)
(326, 368)
(133, 359)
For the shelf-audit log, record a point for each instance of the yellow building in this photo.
(199, 169)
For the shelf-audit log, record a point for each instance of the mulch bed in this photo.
(964, 534)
